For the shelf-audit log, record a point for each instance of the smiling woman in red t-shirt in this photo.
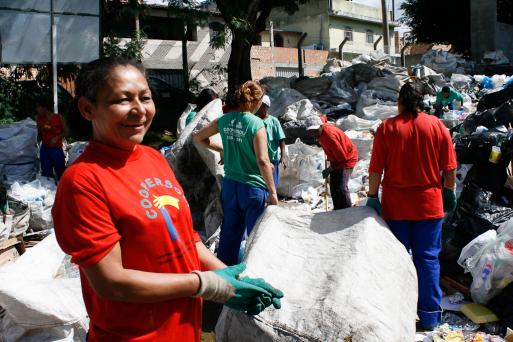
(123, 217)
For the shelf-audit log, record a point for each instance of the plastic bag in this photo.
(469, 252)
(303, 170)
(492, 269)
(476, 148)
(476, 214)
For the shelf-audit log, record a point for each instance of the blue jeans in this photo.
(439, 109)
(424, 239)
(242, 206)
(52, 161)
(276, 173)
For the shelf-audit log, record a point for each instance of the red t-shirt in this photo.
(412, 152)
(108, 196)
(338, 147)
(48, 129)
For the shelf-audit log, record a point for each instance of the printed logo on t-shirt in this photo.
(234, 132)
(154, 205)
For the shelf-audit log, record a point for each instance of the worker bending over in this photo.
(342, 155)
(445, 100)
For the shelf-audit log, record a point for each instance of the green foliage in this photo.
(132, 49)
(439, 21)
(16, 102)
(8, 96)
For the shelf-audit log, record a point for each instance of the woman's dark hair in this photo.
(204, 97)
(90, 80)
(410, 97)
(446, 89)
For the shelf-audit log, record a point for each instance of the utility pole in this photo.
(185, 59)
(386, 36)
(271, 34)
(393, 10)
(53, 46)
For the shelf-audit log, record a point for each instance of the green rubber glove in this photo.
(375, 204)
(223, 286)
(449, 200)
(263, 300)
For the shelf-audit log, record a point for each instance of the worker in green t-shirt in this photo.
(445, 100)
(205, 97)
(275, 137)
(248, 173)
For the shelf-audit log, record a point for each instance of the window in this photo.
(348, 33)
(166, 28)
(278, 40)
(370, 37)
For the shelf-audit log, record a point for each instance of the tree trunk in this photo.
(239, 64)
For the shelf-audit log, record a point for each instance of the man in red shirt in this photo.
(342, 155)
(413, 149)
(50, 131)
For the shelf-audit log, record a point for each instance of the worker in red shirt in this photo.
(342, 155)
(124, 219)
(413, 149)
(51, 130)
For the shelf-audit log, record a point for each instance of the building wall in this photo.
(504, 39)
(358, 10)
(359, 43)
(311, 18)
(483, 19)
(290, 39)
(285, 61)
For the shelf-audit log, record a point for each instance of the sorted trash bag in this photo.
(20, 218)
(180, 125)
(198, 170)
(18, 152)
(39, 306)
(495, 99)
(476, 214)
(270, 84)
(345, 277)
(492, 266)
(282, 99)
(296, 130)
(490, 118)
(304, 170)
(76, 149)
(311, 87)
(352, 122)
(39, 195)
(476, 148)
(379, 112)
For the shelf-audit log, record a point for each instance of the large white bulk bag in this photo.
(344, 275)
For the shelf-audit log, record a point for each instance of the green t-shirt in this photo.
(237, 132)
(444, 101)
(274, 135)
(189, 118)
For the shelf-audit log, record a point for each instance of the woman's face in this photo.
(123, 110)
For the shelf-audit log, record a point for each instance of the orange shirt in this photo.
(49, 129)
(339, 149)
(412, 152)
(131, 197)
